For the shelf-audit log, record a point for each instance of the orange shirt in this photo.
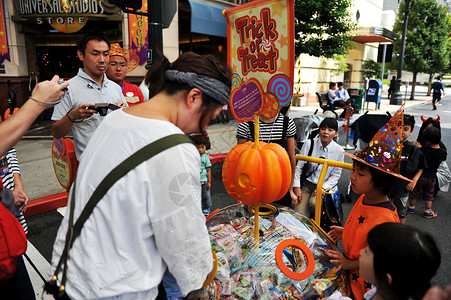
(361, 220)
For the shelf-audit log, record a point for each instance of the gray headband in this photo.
(210, 86)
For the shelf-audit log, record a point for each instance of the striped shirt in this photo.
(8, 181)
(268, 131)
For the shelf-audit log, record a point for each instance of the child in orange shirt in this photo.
(372, 177)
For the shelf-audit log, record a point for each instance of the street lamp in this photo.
(396, 97)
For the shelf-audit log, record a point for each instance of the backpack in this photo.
(13, 242)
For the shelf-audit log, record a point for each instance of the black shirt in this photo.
(433, 158)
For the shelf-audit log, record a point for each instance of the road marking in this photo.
(44, 268)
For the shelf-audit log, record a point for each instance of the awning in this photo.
(207, 19)
(373, 35)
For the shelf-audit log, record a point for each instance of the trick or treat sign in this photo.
(260, 40)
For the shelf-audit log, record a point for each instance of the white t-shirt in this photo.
(149, 220)
(333, 151)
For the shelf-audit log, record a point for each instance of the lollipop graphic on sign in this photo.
(282, 87)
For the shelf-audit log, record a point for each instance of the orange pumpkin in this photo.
(256, 174)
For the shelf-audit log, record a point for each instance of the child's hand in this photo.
(336, 233)
(208, 186)
(298, 193)
(411, 185)
(339, 260)
(20, 199)
(294, 198)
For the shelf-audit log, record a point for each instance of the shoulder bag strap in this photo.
(122, 169)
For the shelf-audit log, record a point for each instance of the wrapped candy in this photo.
(256, 272)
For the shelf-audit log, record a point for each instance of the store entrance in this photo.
(56, 60)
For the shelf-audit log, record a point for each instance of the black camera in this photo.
(102, 108)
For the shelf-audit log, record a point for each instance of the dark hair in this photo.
(409, 120)
(206, 65)
(89, 36)
(329, 123)
(409, 255)
(200, 139)
(439, 77)
(432, 135)
(340, 84)
(381, 180)
(332, 84)
(430, 120)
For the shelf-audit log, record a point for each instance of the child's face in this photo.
(201, 148)
(366, 265)
(361, 180)
(326, 135)
(406, 132)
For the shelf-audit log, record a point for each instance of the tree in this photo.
(426, 38)
(322, 27)
(371, 69)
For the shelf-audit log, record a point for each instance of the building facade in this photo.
(40, 36)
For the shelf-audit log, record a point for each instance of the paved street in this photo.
(39, 181)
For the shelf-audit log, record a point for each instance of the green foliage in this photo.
(371, 69)
(322, 27)
(426, 48)
(340, 64)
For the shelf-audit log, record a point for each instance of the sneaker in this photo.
(434, 107)
(429, 214)
(411, 209)
(206, 211)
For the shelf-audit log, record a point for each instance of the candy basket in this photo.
(289, 262)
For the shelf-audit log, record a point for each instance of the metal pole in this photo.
(396, 97)
(384, 53)
(155, 35)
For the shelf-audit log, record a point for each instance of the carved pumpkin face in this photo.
(256, 174)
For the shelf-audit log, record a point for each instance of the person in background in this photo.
(342, 99)
(279, 129)
(10, 175)
(437, 90)
(123, 61)
(332, 93)
(391, 88)
(425, 186)
(413, 163)
(392, 264)
(324, 146)
(88, 87)
(201, 142)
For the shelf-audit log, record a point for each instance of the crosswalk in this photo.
(42, 265)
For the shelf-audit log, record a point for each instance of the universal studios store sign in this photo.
(63, 15)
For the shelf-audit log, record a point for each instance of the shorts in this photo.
(401, 201)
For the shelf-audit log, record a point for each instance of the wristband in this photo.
(67, 115)
(51, 103)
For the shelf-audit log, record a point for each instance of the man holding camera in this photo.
(89, 87)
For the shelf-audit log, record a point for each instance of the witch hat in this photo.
(384, 151)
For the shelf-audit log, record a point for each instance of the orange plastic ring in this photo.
(308, 254)
(212, 274)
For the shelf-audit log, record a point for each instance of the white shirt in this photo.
(148, 221)
(342, 94)
(333, 151)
